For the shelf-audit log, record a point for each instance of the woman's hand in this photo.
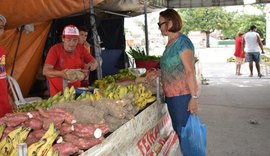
(193, 106)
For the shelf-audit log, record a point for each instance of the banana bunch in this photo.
(142, 96)
(97, 94)
(44, 145)
(116, 92)
(2, 128)
(68, 95)
(8, 145)
(86, 96)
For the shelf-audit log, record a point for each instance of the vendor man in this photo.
(5, 105)
(66, 56)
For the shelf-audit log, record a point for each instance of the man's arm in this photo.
(50, 72)
(92, 65)
(260, 43)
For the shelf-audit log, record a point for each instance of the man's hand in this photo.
(64, 74)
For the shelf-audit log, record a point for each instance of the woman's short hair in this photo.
(240, 33)
(172, 15)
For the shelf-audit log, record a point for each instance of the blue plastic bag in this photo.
(193, 137)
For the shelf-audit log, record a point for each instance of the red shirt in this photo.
(239, 47)
(60, 60)
(5, 107)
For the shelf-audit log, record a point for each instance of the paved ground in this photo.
(229, 105)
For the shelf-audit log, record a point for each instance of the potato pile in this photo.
(113, 113)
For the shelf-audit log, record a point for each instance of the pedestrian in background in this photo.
(178, 71)
(239, 54)
(252, 42)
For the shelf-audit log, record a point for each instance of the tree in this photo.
(241, 22)
(205, 20)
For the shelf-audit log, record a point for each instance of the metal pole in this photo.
(96, 40)
(146, 27)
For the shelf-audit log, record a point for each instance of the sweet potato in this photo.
(104, 127)
(56, 120)
(13, 123)
(35, 124)
(31, 139)
(66, 149)
(61, 112)
(66, 128)
(70, 138)
(39, 133)
(8, 130)
(81, 143)
(15, 119)
(84, 144)
(84, 130)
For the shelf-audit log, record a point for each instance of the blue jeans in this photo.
(178, 110)
(253, 56)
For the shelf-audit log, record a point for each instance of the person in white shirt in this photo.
(252, 42)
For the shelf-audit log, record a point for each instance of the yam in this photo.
(114, 123)
(88, 114)
(110, 106)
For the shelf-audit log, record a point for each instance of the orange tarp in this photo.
(20, 12)
(29, 53)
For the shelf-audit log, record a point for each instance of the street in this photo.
(235, 109)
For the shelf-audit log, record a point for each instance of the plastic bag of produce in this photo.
(193, 137)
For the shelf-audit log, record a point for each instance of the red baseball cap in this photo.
(71, 31)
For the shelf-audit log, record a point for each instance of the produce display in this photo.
(67, 123)
(40, 130)
(124, 74)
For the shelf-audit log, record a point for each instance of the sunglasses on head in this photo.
(160, 24)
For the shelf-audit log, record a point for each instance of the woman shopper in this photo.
(178, 71)
(239, 55)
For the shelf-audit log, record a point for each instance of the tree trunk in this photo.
(207, 39)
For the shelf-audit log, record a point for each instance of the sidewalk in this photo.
(235, 109)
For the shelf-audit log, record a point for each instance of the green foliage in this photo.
(242, 22)
(139, 54)
(204, 19)
(230, 23)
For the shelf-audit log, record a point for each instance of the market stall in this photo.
(122, 117)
